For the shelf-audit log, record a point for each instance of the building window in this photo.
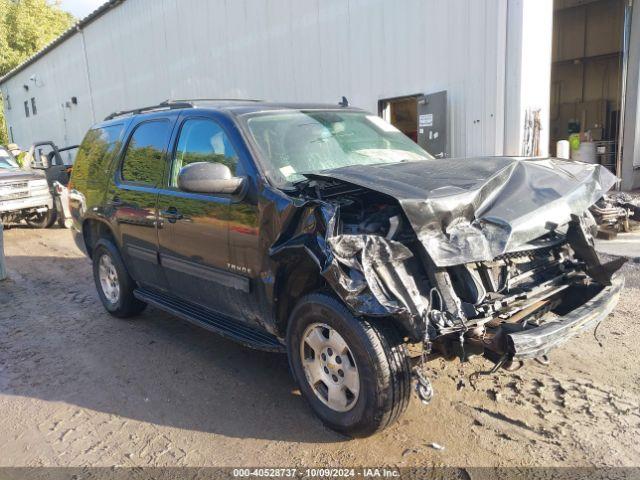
(8, 102)
(11, 134)
(26, 108)
(34, 110)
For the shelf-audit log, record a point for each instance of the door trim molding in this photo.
(142, 253)
(211, 274)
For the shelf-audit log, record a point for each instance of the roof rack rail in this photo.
(189, 100)
(166, 105)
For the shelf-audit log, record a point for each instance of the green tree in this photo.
(27, 26)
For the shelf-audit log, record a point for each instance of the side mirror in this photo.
(206, 177)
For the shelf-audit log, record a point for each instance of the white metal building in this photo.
(492, 57)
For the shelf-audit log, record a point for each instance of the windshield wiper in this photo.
(297, 185)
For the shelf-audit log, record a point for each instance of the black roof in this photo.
(240, 108)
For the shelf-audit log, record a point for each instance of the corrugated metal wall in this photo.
(145, 51)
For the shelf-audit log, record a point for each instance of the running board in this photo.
(215, 322)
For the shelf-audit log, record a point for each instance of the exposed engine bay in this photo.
(615, 213)
(495, 266)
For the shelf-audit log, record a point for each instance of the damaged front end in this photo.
(487, 257)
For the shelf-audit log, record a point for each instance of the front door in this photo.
(46, 157)
(134, 196)
(194, 228)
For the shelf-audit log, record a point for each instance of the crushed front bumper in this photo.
(537, 341)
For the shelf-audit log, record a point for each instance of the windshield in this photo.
(292, 143)
(7, 161)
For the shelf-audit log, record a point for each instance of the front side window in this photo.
(296, 142)
(42, 157)
(202, 140)
(143, 159)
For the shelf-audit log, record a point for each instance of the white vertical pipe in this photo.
(3, 270)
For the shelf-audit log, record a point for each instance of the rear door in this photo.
(194, 228)
(134, 197)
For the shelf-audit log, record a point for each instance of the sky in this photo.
(80, 8)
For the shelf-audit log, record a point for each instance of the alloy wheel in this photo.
(329, 367)
(108, 276)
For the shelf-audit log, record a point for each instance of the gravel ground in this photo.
(80, 388)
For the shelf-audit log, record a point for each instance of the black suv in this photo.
(323, 232)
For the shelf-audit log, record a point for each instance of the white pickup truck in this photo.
(24, 195)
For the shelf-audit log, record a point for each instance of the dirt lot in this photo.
(78, 387)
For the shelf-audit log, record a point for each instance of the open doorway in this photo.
(423, 118)
(402, 113)
(587, 77)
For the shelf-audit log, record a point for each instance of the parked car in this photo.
(323, 232)
(24, 195)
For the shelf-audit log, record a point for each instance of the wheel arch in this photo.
(300, 277)
(93, 229)
(294, 281)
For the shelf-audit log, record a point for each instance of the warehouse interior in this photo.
(402, 112)
(587, 75)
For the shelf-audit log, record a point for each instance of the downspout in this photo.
(87, 74)
(623, 90)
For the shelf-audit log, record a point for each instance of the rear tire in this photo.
(372, 348)
(114, 284)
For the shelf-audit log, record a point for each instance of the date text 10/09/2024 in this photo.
(316, 472)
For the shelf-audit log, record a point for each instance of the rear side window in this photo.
(143, 160)
(96, 152)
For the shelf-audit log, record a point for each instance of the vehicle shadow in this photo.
(24, 226)
(57, 343)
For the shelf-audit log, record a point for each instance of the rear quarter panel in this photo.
(92, 174)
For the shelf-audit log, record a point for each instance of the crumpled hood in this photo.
(469, 210)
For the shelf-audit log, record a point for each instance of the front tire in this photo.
(354, 372)
(42, 220)
(114, 284)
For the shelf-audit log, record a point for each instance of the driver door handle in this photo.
(172, 214)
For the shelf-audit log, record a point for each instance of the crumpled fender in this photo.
(377, 264)
(365, 271)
